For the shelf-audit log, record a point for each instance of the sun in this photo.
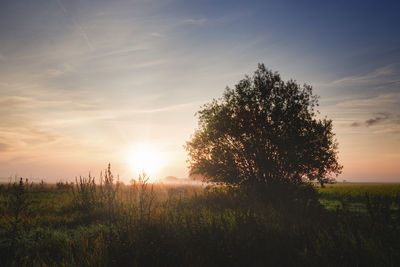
(147, 158)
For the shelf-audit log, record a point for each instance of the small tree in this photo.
(263, 132)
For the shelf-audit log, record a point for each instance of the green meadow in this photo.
(88, 223)
(358, 196)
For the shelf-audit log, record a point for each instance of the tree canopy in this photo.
(264, 131)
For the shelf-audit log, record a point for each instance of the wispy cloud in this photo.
(380, 110)
(355, 124)
(378, 103)
(381, 74)
(167, 108)
(76, 25)
(4, 147)
(377, 119)
(120, 114)
(121, 51)
(198, 21)
(13, 101)
(384, 80)
(382, 117)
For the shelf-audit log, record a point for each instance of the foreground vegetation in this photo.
(111, 224)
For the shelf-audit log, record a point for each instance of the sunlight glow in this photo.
(145, 157)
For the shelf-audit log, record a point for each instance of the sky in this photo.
(84, 83)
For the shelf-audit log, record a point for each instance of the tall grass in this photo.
(15, 213)
(141, 224)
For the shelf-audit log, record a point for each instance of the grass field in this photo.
(109, 224)
(355, 196)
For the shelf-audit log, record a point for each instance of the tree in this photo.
(264, 131)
